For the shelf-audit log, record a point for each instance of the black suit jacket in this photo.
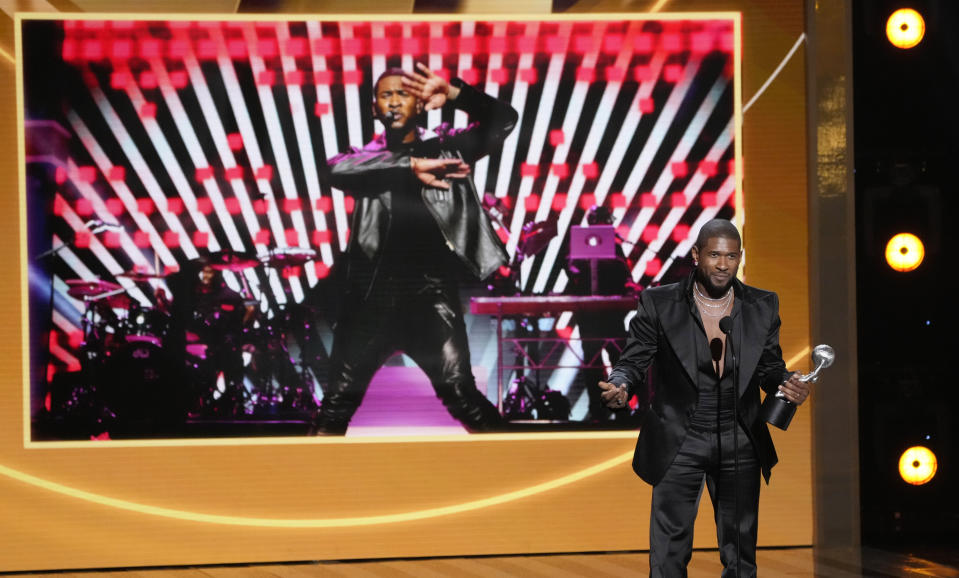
(663, 339)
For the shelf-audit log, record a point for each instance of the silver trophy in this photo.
(779, 411)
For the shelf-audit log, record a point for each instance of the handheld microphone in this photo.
(388, 117)
(726, 325)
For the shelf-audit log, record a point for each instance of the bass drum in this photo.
(138, 387)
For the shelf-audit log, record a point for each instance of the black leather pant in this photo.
(675, 502)
(421, 318)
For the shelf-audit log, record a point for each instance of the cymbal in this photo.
(289, 257)
(138, 276)
(536, 236)
(84, 288)
(230, 261)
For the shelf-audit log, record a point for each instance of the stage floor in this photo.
(705, 563)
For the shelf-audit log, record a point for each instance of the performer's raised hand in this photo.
(434, 172)
(429, 87)
(615, 396)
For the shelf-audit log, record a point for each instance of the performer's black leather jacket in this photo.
(373, 173)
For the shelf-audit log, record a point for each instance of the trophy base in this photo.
(777, 411)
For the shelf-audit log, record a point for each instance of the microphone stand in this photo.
(726, 326)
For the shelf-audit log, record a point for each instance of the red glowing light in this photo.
(201, 239)
(59, 206)
(264, 173)
(321, 237)
(321, 108)
(412, 46)
(148, 110)
(702, 42)
(556, 137)
(559, 202)
(323, 46)
(82, 239)
(528, 170)
(353, 46)
(352, 77)
(497, 45)
(672, 72)
(206, 49)
(178, 49)
(647, 201)
(237, 49)
(84, 207)
(677, 200)
(468, 45)
(322, 269)
(86, 174)
(650, 233)
(440, 45)
(643, 73)
(292, 237)
(233, 206)
(499, 75)
(528, 75)
(679, 169)
(150, 48)
(121, 49)
(680, 233)
(708, 199)
(267, 48)
(526, 44)
(116, 173)
(349, 203)
(148, 80)
(60, 175)
(289, 272)
(612, 43)
(585, 74)
(171, 239)
(294, 78)
(586, 201)
(324, 204)
(564, 332)
(555, 44)
(91, 50)
(174, 206)
(531, 203)
(672, 42)
(290, 205)
(709, 168)
(179, 79)
(615, 74)
(296, 47)
(141, 239)
(561, 170)
(261, 206)
(111, 240)
(266, 78)
(233, 173)
(591, 170)
(617, 201)
(470, 75)
(643, 43)
(204, 205)
(203, 173)
(235, 141)
(653, 266)
(647, 105)
(146, 206)
(262, 237)
(114, 207)
(582, 43)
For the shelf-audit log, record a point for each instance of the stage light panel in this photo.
(905, 28)
(905, 252)
(918, 465)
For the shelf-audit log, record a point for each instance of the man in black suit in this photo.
(691, 430)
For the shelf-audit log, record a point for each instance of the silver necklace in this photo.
(705, 311)
(716, 302)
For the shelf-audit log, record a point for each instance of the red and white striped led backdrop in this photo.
(204, 136)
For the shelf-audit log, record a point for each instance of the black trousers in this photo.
(708, 456)
(422, 318)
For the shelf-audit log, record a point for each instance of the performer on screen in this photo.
(690, 432)
(418, 223)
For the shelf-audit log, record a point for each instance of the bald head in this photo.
(718, 228)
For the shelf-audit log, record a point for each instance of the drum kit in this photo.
(149, 363)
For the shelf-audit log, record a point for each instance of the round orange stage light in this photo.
(904, 252)
(905, 28)
(918, 465)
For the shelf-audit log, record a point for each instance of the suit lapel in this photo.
(681, 334)
(747, 322)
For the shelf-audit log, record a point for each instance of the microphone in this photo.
(716, 350)
(388, 117)
(726, 325)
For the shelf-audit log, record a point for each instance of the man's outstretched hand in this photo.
(429, 87)
(615, 396)
(434, 172)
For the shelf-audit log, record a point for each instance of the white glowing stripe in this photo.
(102, 253)
(73, 364)
(465, 62)
(191, 142)
(137, 162)
(100, 210)
(328, 129)
(656, 136)
(625, 137)
(692, 133)
(354, 123)
(123, 192)
(544, 111)
(305, 147)
(570, 122)
(175, 172)
(481, 168)
(354, 127)
(63, 323)
(725, 191)
(689, 193)
(278, 143)
(434, 63)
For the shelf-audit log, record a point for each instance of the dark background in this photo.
(906, 125)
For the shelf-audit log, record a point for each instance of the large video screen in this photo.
(259, 228)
